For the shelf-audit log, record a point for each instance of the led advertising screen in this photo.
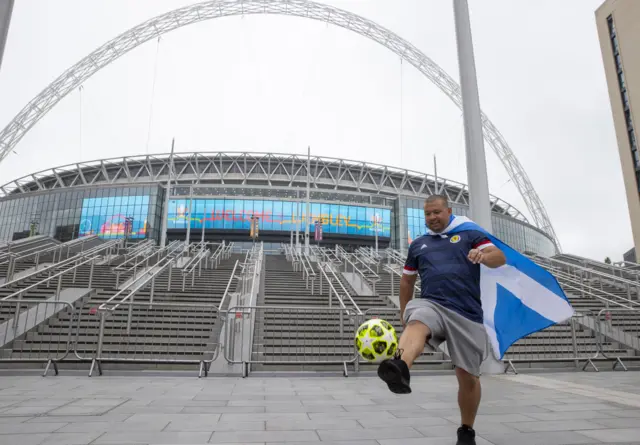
(115, 217)
(236, 214)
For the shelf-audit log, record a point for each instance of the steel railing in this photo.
(94, 251)
(288, 335)
(364, 271)
(160, 333)
(619, 326)
(233, 276)
(328, 274)
(53, 345)
(585, 273)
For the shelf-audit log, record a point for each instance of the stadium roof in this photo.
(257, 169)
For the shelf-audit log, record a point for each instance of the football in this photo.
(376, 340)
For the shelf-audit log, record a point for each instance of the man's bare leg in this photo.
(395, 372)
(469, 393)
(412, 341)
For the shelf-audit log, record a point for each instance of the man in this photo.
(448, 309)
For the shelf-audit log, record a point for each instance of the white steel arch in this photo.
(155, 27)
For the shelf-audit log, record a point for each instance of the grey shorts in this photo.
(466, 339)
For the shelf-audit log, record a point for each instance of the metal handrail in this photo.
(346, 292)
(596, 263)
(393, 254)
(138, 249)
(332, 288)
(68, 245)
(391, 270)
(46, 280)
(139, 283)
(169, 248)
(305, 258)
(609, 299)
(541, 262)
(93, 251)
(226, 291)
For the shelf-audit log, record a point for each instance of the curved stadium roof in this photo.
(244, 168)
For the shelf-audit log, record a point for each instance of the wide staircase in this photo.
(149, 321)
(295, 329)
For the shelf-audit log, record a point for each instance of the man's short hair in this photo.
(434, 198)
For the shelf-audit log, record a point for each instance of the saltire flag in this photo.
(519, 298)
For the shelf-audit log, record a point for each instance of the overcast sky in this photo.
(272, 83)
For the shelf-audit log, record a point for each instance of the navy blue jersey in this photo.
(446, 274)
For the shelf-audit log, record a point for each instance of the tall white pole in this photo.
(307, 216)
(298, 223)
(476, 161)
(435, 173)
(6, 9)
(165, 215)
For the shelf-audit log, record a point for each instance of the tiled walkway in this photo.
(547, 409)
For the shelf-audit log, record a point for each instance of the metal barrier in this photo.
(30, 318)
(287, 335)
(544, 346)
(615, 323)
(162, 333)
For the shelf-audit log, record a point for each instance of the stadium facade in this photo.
(215, 196)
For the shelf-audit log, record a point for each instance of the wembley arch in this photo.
(74, 76)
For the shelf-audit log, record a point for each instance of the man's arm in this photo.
(407, 283)
(490, 256)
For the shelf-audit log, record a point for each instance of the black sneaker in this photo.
(395, 374)
(466, 436)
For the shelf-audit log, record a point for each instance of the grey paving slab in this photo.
(369, 433)
(625, 413)
(620, 435)
(553, 425)
(571, 415)
(204, 426)
(355, 411)
(288, 408)
(395, 422)
(87, 427)
(429, 441)
(117, 438)
(628, 422)
(284, 424)
(24, 428)
(540, 438)
(267, 436)
(71, 438)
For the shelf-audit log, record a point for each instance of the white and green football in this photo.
(376, 340)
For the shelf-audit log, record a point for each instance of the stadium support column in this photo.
(476, 161)
(6, 8)
(165, 211)
(306, 213)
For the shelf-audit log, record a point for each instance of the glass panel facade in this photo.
(115, 217)
(71, 213)
(235, 214)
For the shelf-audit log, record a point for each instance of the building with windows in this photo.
(618, 23)
(215, 196)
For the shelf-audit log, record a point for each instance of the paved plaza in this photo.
(549, 409)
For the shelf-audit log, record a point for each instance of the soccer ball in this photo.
(376, 340)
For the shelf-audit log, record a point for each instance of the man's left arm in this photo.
(485, 252)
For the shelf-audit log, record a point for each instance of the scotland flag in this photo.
(519, 298)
